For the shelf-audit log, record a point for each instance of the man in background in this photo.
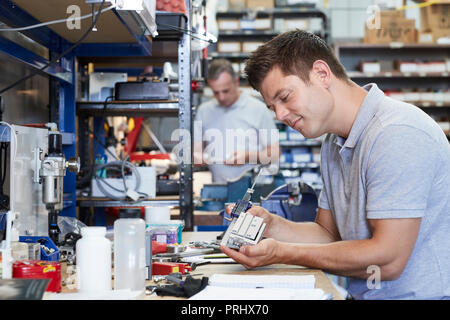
(234, 131)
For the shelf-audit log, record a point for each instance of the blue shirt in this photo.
(395, 163)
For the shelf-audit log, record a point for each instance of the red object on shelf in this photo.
(35, 125)
(142, 156)
(178, 6)
(133, 136)
(35, 269)
(195, 85)
(114, 211)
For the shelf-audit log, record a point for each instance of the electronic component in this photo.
(141, 90)
(244, 229)
(52, 172)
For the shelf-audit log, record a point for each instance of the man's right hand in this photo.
(269, 218)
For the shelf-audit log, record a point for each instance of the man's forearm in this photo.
(299, 232)
(346, 258)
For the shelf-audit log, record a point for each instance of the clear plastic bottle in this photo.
(93, 261)
(129, 251)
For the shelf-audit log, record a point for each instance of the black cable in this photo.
(186, 31)
(76, 44)
(5, 163)
(4, 199)
(105, 104)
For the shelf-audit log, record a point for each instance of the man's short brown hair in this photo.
(294, 52)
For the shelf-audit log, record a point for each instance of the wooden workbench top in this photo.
(208, 270)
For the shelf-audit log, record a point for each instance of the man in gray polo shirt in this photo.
(384, 211)
(234, 131)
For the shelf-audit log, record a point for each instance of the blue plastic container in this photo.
(46, 241)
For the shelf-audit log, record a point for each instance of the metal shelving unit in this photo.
(135, 108)
(263, 35)
(114, 38)
(37, 48)
(180, 108)
(351, 54)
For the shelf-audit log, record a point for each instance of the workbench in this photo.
(208, 270)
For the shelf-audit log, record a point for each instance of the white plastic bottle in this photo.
(129, 253)
(94, 263)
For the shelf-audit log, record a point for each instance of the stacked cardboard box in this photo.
(392, 27)
(434, 22)
(260, 4)
(250, 4)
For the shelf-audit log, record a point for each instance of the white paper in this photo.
(263, 281)
(229, 293)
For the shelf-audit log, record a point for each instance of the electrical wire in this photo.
(56, 60)
(118, 166)
(38, 25)
(190, 33)
(418, 5)
(13, 154)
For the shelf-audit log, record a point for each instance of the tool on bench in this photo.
(244, 229)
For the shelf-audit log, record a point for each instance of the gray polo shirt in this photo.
(245, 125)
(395, 163)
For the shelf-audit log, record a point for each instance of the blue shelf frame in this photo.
(64, 72)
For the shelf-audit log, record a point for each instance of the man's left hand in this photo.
(262, 254)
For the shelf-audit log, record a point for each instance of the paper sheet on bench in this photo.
(261, 287)
(263, 281)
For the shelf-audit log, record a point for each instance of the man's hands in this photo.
(262, 254)
(269, 218)
(319, 245)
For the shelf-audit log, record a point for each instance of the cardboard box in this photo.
(370, 67)
(295, 3)
(406, 66)
(425, 37)
(392, 14)
(285, 24)
(228, 24)
(236, 4)
(263, 23)
(250, 46)
(436, 16)
(264, 4)
(392, 30)
(256, 24)
(440, 33)
(229, 47)
(433, 36)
